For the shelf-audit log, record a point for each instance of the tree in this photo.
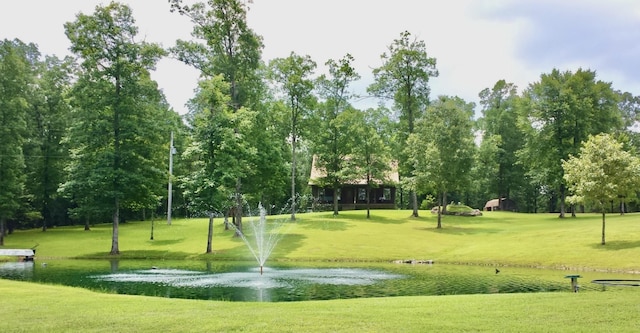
(16, 76)
(560, 112)
(602, 172)
(500, 128)
(333, 141)
(119, 116)
(48, 124)
(217, 141)
(292, 77)
(370, 157)
(404, 78)
(231, 49)
(442, 149)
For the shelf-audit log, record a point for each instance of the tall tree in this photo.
(404, 78)
(16, 76)
(601, 173)
(119, 115)
(561, 111)
(48, 123)
(500, 128)
(227, 47)
(217, 141)
(332, 142)
(370, 157)
(292, 76)
(442, 149)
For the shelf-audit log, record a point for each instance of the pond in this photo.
(281, 282)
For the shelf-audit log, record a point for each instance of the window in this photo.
(362, 194)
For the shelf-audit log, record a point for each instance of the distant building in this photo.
(494, 204)
(353, 195)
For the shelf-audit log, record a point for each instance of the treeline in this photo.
(85, 138)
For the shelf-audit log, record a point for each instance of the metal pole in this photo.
(172, 150)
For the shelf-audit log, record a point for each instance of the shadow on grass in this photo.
(329, 225)
(458, 230)
(617, 245)
(290, 243)
(165, 242)
(359, 216)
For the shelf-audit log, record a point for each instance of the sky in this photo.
(475, 42)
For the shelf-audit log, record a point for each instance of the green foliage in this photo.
(16, 77)
(603, 173)
(442, 149)
(559, 113)
(498, 169)
(404, 78)
(335, 142)
(228, 47)
(119, 117)
(291, 76)
(49, 121)
(219, 150)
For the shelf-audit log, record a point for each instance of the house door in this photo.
(347, 196)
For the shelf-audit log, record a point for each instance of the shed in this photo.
(494, 204)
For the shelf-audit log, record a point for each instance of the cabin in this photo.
(494, 205)
(353, 195)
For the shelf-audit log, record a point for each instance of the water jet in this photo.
(264, 238)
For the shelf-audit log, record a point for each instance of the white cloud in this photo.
(476, 42)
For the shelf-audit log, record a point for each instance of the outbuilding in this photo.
(500, 204)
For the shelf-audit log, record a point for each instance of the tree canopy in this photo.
(602, 172)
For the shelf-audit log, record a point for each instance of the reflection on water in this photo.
(232, 281)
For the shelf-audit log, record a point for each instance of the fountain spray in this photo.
(265, 237)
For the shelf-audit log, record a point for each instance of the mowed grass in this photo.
(497, 238)
(43, 308)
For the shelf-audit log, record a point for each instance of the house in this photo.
(353, 195)
(494, 204)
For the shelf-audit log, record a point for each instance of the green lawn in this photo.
(497, 238)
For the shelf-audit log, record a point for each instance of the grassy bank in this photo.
(497, 238)
(42, 308)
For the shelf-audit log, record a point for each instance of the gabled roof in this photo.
(391, 176)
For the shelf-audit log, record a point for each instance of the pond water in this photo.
(240, 281)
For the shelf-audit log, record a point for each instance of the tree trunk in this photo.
(368, 200)
(562, 198)
(414, 203)
(116, 220)
(210, 234)
(238, 210)
(335, 200)
(86, 223)
(603, 225)
(439, 214)
(2, 226)
(444, 202)
(293, 178)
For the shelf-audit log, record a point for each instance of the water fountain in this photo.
(265, 236)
